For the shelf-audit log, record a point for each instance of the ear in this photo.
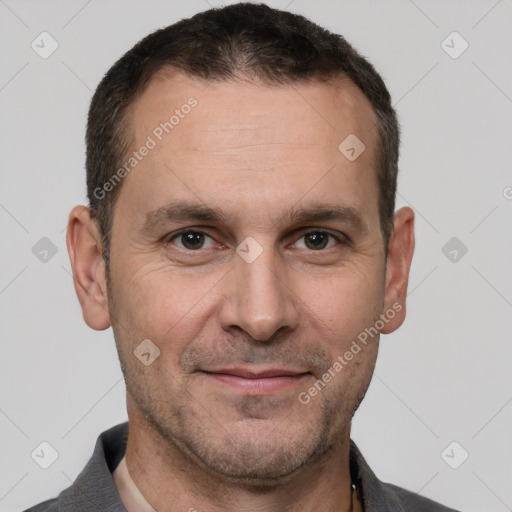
(84, 247)
(401, 249)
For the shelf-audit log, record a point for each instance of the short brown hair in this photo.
(242, 40)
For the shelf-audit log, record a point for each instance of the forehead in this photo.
(259, 141)
(322, 110)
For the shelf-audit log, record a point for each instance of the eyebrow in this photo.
(327, 212)
(196, 211)
(182, 211)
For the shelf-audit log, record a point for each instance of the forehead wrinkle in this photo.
(263, 145)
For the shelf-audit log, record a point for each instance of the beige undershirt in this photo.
(132, 498)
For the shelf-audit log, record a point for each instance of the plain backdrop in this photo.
(444, 377)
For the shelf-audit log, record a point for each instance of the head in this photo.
(231, 125)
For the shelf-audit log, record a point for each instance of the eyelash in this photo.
(342, 240)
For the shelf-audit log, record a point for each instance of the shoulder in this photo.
(46, 506)
(379, 496)
(412, 502)
(94, 489)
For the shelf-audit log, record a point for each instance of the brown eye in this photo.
(316, 240)
(192, 240)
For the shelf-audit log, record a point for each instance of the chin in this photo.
(264, 456)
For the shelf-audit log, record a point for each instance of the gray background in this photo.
(443, 377)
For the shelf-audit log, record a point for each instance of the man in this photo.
(241, 241)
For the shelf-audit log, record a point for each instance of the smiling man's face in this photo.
(242, 333)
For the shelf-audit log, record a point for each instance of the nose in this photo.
(258, 299)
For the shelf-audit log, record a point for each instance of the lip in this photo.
(253, 382)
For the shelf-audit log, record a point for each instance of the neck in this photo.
(171, 479)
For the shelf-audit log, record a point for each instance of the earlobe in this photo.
(401, 249)
(84, 248)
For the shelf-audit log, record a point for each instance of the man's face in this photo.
(261, 162)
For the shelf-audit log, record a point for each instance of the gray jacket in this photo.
(94, 489)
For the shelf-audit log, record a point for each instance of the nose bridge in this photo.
(259, 301)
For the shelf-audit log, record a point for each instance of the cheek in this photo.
(345, 303)
(168, 308)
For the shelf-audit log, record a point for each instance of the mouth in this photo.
(253, 382)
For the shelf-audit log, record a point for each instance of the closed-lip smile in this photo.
(252, 381)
